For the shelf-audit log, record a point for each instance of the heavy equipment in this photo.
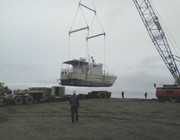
(31, 95)
(28, 96)
(158, 37)
(42, 94)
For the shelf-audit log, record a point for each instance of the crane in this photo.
(158, 37)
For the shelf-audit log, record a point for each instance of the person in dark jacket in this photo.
(145, 95)
(122, 93)
(74, 103)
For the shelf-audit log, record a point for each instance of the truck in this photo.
(42, 94)
(158, 37)
(31, 95)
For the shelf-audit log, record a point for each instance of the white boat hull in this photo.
(88, 81)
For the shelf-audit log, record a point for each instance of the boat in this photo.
(79, 72)
(85, 72)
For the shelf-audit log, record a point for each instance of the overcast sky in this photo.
(34, 42)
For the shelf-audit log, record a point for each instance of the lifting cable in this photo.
(76, 30)
(95, 17)
(87, 27)
(80, 29)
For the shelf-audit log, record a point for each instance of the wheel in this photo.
(28, 100)
(18, 100)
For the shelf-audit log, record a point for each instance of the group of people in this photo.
(74, 104)
(122, 94)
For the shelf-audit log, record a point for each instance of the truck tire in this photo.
(28, 100)
(18, 100)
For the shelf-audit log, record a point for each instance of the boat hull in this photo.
(106, 82)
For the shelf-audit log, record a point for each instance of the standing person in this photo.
(74, 103)
(145, 95)
(122, 93)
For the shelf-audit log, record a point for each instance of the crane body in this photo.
(158, 37)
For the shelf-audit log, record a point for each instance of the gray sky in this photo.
(34, 43)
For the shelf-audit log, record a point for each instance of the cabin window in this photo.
(94, 66)
(64, 73)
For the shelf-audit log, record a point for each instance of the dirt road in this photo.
(100, 119)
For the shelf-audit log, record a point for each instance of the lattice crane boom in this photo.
(157, 35)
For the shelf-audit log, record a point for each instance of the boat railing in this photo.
(107, 74)
(106, 71)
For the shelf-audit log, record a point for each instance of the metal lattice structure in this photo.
(157, 34)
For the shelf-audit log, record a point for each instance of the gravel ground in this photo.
(99, 119)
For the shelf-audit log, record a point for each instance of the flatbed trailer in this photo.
(25, 97)
(99, 94)
(37, 96)
(31, 95)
